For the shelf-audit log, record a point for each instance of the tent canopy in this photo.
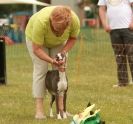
(34, 2)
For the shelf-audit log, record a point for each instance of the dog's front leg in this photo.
(64, 104)
(61, 105)
(51, 103)
(57, 107)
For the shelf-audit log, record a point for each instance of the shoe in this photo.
(40, 116)
(119, 85)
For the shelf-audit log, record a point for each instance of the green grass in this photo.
(91, 73)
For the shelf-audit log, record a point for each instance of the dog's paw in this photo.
(64, 115)
(59, 116)
(51, 113)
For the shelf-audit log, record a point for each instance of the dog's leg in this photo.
(57, 107)
(64, 104)
(51, 103)
(61, 106)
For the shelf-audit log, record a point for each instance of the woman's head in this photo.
(60, 18)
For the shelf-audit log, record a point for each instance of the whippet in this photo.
(57, 85)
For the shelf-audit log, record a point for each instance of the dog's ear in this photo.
(63, 55)
(89, 104)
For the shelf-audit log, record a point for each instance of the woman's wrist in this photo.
(52, 61)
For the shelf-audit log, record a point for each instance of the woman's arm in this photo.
(38, 51)
(70, 43)
(131, 24)
(102, 14)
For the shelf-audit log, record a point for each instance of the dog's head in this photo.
(60, 57)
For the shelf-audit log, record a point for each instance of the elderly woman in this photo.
(52, 30)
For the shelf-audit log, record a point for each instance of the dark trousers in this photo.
(122, 43)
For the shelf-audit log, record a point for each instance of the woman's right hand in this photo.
(54, 62)
(57, 63)
(107, 28)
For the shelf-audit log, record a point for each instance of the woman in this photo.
(51, 30)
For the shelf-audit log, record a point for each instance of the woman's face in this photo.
(58, 28)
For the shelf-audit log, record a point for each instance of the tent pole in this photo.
(34, 8)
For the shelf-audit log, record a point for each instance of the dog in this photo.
(57, 85)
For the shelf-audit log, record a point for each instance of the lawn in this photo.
(91, 73)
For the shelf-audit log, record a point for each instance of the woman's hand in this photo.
(107, 28)
(58, 63)
(131, 26)
(54, 62)
(7, 40)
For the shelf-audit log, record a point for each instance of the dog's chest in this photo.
(56, 82)
(62, 84)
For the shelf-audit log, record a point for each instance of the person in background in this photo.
(52, 30)
(117, 19)
(8, 40)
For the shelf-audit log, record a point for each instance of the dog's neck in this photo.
(61, 69)
(62, 75)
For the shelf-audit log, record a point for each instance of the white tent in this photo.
(34, 2)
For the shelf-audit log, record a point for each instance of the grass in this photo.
(91, 73)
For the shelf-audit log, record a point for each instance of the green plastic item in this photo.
(92, 120)
(87, 116)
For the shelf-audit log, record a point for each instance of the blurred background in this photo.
(17, 13)
(91, 67)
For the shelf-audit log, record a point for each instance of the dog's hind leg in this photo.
(51, 103)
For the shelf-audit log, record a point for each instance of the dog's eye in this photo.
(57, 58)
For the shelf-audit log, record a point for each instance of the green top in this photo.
(38, 29)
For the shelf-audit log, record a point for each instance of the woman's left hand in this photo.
(131, 26)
